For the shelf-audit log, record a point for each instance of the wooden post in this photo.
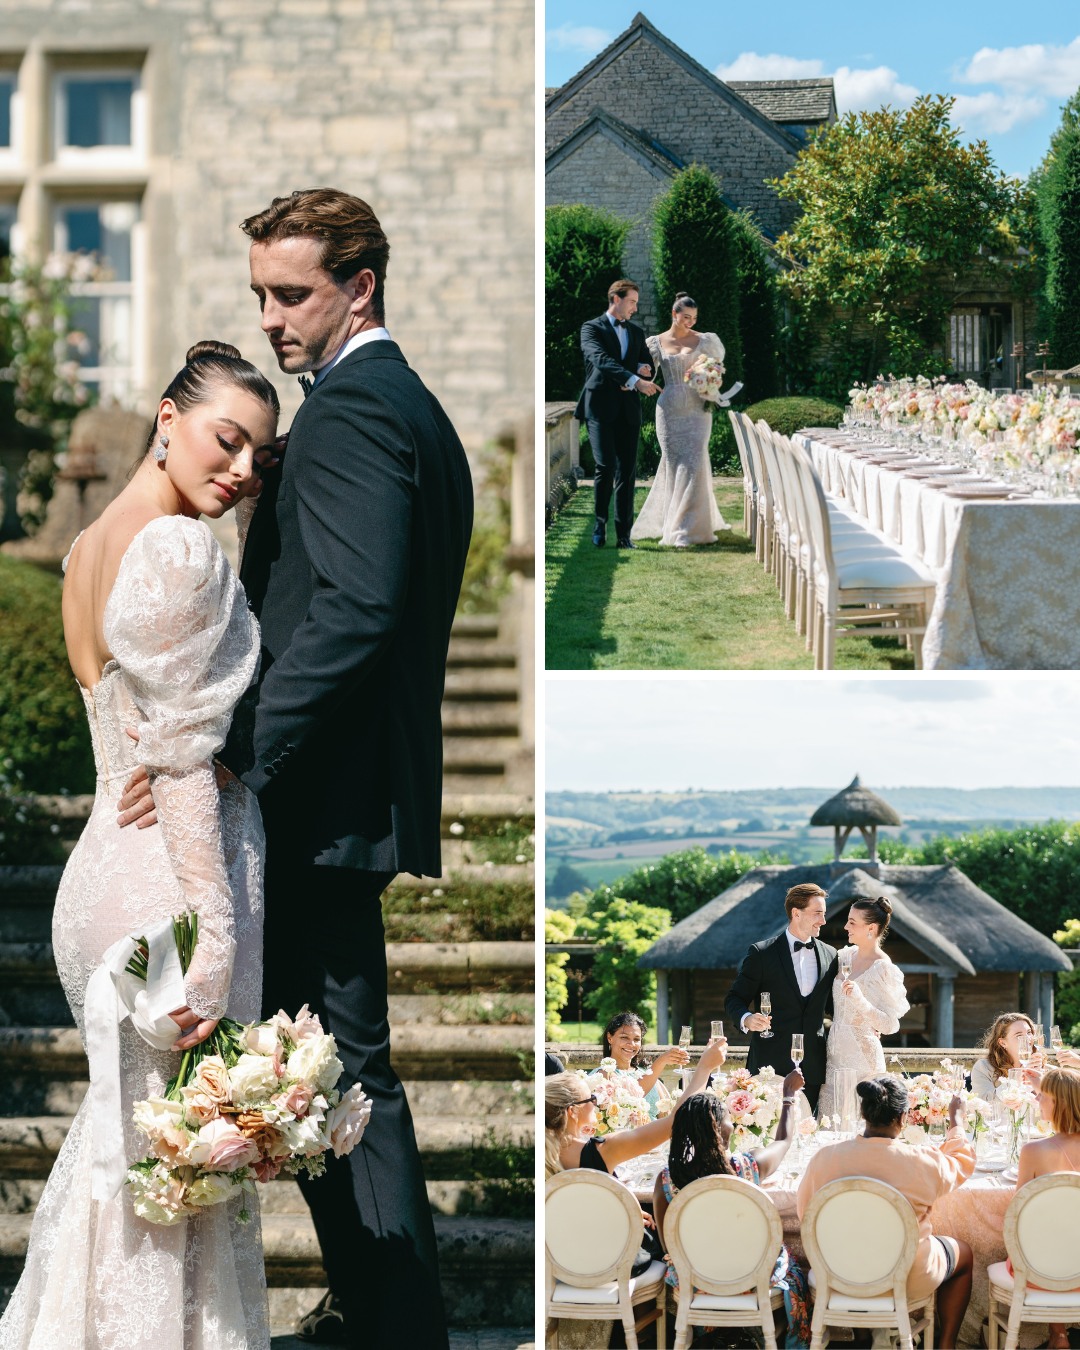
(663, 1016)
(944, 998)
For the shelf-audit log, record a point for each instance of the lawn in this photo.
(706, 608)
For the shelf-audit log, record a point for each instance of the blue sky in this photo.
(1011, 66)
(612, 733)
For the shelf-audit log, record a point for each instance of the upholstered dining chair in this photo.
(592, 1231)
(1042, 1237)
(724, 1234)
(861, 1237)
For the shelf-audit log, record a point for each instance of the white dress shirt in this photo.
(357, 340)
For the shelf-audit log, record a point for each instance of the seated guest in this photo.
(1001, 1043)
(622, 1041)
(1059, 1102)
(570, 1121)
(552, 1064)
(923, 1175)
(699, 1148)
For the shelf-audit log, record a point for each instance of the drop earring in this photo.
(162, 448)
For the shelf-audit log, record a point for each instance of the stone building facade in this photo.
(150, 128)
(619, 130)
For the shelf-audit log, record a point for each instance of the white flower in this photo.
(915, 1134)
(157, 1196)
(253, 1080)
(315, 1061)
(157, 1116)
(261, 1039)
(306, 1137)
(211, 1189)
(345, 1122)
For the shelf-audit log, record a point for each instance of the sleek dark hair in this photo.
(884, 1100)
(208, 365)
(697, 1146)
(624, 1019)
(877, 911)
(683, 301)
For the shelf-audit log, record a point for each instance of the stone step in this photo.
(478, 755)
(488, 683)
(466, 651)
(479, 719)
(452, 1150)
(475, 625)
(49, 1092)
(486, 1266)
(429, 1053)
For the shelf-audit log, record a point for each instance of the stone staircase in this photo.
(460, 961)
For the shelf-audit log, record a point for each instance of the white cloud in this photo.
(751, 66)
(570, 37)
(859, 90)
(991, 113)
(1037, 68)
(856, 89)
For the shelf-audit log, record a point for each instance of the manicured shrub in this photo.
(759, 313)
(583, 256)
(787, 415)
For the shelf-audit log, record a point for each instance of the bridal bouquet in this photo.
(247, 1103)
(752, 1101)
(620, 1102)
(705, 376)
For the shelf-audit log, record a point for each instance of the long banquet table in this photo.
(1008, 571)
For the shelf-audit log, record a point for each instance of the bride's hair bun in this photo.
(877, 911)
(683, 301)
(222, 350)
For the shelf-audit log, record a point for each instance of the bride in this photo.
(681, 509)
(867, 1004)
(161, 642)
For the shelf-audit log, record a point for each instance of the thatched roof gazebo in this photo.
(856, 808)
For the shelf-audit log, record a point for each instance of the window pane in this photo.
(98, 112)
(104, 230)
(7, 88)
(86, 320)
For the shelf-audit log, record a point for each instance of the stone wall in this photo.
(422, 107)
(648, 90)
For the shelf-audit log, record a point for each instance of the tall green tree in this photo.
(583, 250)
(696, 249)
(893, 208)
(759, 311)
(1058, 196)
(624, 930)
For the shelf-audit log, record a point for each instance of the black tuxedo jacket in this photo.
(353, 564)
(604, 397)
(769, 965)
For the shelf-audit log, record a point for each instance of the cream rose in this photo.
(253, 1080)
(315, 1061)
(211, 1189)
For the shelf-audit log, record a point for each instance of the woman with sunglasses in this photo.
(570, 1121)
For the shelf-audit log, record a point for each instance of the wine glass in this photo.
(716, 1029)
(797, 1048)
(765, 1007)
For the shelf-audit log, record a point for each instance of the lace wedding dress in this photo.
(877, 1005)
(681, 509)
(185, 647)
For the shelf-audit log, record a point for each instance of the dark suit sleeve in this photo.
(355, 497)
(746, 987)
(593, 350)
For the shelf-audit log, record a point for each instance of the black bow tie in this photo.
(808, 945)
(306, 383)
(619, 323)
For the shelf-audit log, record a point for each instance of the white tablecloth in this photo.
(1008, 572)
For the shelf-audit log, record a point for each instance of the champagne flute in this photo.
(685, 1037)
(845, 963)
(765, 1008)
(1057, 1043)
(796, 1048)
(716, 1029)
(1023, 1050)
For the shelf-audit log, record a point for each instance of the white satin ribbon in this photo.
(722, 400)
(111, 995)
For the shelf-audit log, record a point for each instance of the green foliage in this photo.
(486, 579)
(28, 835)
(890, 204)
(759, 314)
(43, 727)
(696, 249)
(623, 930)
(1069, 936)
(566, 880)
(583, 256)
(506, 1171)
(40, 390)
(558, 927)
(682, 882)
(1058, 197)
(787, 415)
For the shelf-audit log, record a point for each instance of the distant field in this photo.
(603, 870)
(633, 850)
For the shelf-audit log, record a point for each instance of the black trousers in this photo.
(615, 445)
(324, 946)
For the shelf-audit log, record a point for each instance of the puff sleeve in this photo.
(179, 628)
(883, 1001)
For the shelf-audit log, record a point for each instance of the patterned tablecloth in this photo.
(1008, 596)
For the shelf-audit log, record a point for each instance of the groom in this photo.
(616, 372)
(798, 970)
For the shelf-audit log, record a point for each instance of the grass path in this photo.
(705, 608)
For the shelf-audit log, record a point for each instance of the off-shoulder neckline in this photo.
(91, 691)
